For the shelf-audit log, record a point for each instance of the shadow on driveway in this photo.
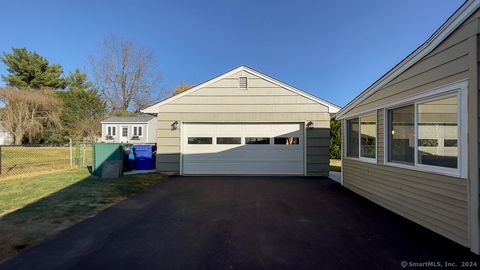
(242, 223)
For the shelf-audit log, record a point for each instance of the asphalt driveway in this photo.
(242, 223)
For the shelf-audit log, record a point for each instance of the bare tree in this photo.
(27, 112)
(125, 74)
(181, 88)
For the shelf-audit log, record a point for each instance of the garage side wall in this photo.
(262, 101)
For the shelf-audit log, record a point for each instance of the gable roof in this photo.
(457, 18)
(332, 108)
(140, 118)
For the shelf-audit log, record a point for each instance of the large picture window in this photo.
(401, 140)
(426, 134)
(362, 137)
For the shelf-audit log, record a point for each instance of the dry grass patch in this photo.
(29, 160)
(335, 165)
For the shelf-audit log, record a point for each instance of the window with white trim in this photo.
(438, 121)
(137, 131)
(352, 137)
(368, 136)
(426, 134)
(111, 131)
(401, 137)
(362, 137)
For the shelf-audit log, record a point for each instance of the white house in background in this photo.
(6, 137)
(135, 129)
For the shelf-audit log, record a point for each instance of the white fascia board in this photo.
(331, 107)
(111, 123)
(438, 37)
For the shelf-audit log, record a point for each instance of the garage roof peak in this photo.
(332, 108)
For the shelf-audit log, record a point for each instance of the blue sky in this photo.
(332, 49)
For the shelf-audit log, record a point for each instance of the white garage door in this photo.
(264, 148)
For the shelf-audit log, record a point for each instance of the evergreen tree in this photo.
(30, 70)
(335, 139)
(83, 109)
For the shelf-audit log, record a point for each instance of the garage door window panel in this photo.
(286, 140)
(200, 140)
(257, 140)
(229, 140)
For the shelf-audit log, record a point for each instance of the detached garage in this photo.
(243, 123)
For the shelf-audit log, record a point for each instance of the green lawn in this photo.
(335, 165)
(24, 160)
(36, 207)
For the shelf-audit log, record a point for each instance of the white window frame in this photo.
(111, 128)
(133, 130)
(360, 158)
(460, 90)
(121, 131)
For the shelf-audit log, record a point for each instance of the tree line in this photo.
(42, 104)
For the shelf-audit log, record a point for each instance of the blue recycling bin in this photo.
(144, 157)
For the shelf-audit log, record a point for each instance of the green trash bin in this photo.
(104, 152)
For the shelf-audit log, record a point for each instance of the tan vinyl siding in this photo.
(318, 149)
(380, 136)
(434, 200)
(235, 117)
(262, 101)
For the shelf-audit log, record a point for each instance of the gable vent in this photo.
(242, 82)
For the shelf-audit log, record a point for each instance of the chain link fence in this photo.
(19, 160)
